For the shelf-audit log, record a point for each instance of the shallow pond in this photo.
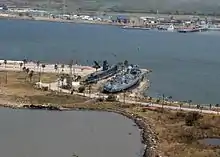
(211, 141)
(26, 133)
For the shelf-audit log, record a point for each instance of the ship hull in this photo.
(96, 76)
(188, 30)
(126, 87)
(139, 28)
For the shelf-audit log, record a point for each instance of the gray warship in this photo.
(131, 76)
(105, 72)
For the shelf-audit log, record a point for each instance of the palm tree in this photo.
(170, 99)
(62, 66)
(71, 66)
(24, 69)
(62, 79)
(96, 67)
(43, 66)
(55, 67)
(181, 104)
(125, 63)
(5, 62)
(27, 70)
(21, 64)
(189, 102)
(38, 65)
(210, 106)
(24, 61)
(217, 106)
(6, 74)
(31, 73)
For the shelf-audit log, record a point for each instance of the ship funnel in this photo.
(105, 65)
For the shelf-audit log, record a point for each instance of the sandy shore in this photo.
(49, 68)
(38, 18)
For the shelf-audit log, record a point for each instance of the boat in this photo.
(214, 28)
(189, 30)
(136, 27)
(105, 72)
(170, 28)
(166, 27)
(127, 79)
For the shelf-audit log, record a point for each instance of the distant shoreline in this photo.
(12, 17)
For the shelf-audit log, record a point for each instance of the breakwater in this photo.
(147, 133)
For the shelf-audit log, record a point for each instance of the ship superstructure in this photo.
(105, 72)
(131, 76)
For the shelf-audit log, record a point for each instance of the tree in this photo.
(181, 104)
(20, 64)
(43, 66)
(125, 63)
(189, 102)
(27, 70)
(62, 67)
(24, 61)
(24, 69)
(5, 62)
(6, 73)
(217, 106)
(192, 118)
(62, 79)
(170, 99)
(31, 73)
(210, 106)
(71, 67)
(55, 67)
(96, 67)
(111, 98)
(38, 65)
(81, 89)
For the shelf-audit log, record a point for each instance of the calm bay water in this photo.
(26, 133)
(185, 66)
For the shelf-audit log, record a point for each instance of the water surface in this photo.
(185, 66)
(26, 133)
(211, 141)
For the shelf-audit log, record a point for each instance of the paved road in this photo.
(54, 86)
(173, 107)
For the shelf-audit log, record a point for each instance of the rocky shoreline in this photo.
(147, 134)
